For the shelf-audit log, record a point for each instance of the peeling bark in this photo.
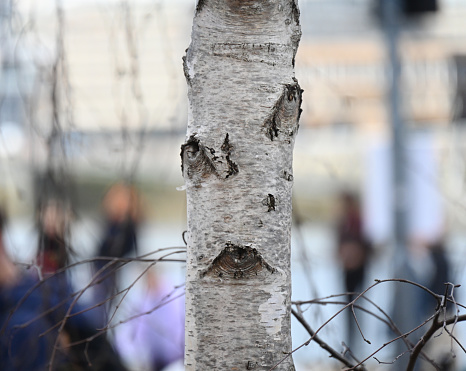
(244, 107)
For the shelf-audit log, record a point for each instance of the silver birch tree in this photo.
(244, 107)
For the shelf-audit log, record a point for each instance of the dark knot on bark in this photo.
(236, 262)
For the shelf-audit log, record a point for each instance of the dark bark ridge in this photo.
(186, 70)
(227, 150)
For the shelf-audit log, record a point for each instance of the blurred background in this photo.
(92, 96)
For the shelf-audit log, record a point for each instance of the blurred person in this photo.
(53, 250)
(26, 342)
(442, 274)
(429, 266)
(353, 251)
(121, 216)
(42, 326)
(352, 246)
(154, 340)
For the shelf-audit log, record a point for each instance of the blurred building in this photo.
(342, 65)
(123, 94)
(124, 62)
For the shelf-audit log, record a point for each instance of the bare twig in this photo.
(333, 353)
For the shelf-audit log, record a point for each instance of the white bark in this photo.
(237, 165)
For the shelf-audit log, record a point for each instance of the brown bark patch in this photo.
(237, 262)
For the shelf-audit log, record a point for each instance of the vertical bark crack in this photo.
(227, 148)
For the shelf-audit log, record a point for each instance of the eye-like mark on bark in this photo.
(269, 201)
(285, 113)
(196, 163)
(237, 262)
(227, 149)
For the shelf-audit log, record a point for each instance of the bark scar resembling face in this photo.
(235, 262)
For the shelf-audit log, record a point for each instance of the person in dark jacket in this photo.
(121, 217)
(43, 327)
(353, 250)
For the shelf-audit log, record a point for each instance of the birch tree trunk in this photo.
(244, 107)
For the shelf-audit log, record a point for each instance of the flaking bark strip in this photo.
(285, 113)
(196, 163)
(295, 11)
(227, 149)
(237, 262)
(186, 70)
(296, 37)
